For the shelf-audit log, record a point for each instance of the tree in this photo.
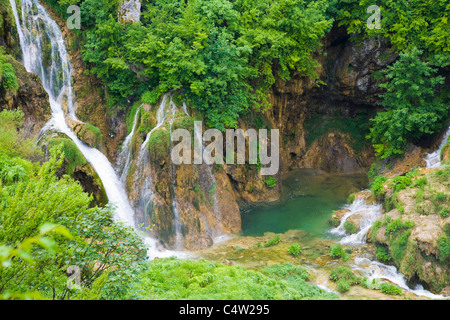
(413, 107)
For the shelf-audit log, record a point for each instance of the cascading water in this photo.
(124, 159)
(369, 214)
(433, 159)
(37, 31)
(373, 269)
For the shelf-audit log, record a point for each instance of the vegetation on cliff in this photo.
(414, 233)
(32, 196)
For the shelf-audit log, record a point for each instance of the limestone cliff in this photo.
(416, 228)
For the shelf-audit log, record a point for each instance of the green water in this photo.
(309, 199)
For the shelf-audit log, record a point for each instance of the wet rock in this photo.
(337, 216)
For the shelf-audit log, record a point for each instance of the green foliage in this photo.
(377, 186)
(405, 24)
(374, 284)
(344, 278)
(444, 248)
(89, 132)
(351, 198)
(413, 109)
(444, 213)
(383, 254)
(337, 252)
(273, 242)
(400, 183)
(173, 279)
(390, 289)
(222, 55)
(350, 227)
(8, 78)
(397, 225)
(159, 144)
(37, 203)
(72, 155)
(271, 182)
(14, 142)
(294, 250)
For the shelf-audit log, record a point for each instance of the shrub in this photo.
(294, 250)
(373, 285)
(383, 254)
(390, 289)
(444, 213)
(350, 227)
(343, 285)
(271, 182)
(337, 251)
(400, 183)
(272, 242)
(8, 79)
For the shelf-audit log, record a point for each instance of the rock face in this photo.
(186, 206)
(417, 231)
(129, 11)
(31, 98)
(348, 93)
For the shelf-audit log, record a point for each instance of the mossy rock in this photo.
(73, 156)
(76, 166)
(184, 123)
(90, 135)
(147, 122)
(159, 145)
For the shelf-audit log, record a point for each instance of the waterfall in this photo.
(433, 159)
(37, 31)
(373, 270)
(369, 213)
(377, 270)
(124, 159)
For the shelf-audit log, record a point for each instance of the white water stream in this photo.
(433, 159)
(38, 31)
(368, 268)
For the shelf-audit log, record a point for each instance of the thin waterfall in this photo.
(35, 28)
(124, 159)
(433, 159)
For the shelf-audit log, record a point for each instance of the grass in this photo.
(73, 156)
(173, 279)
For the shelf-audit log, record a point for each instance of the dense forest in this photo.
(222, 58)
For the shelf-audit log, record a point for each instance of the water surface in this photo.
(309, 199)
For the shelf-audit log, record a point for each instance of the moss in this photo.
(91, 135)
(73, 156)
(350, 227)
(356, 127)
(351, 198)
(159, 145)
(184, 123)
(147, 122)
